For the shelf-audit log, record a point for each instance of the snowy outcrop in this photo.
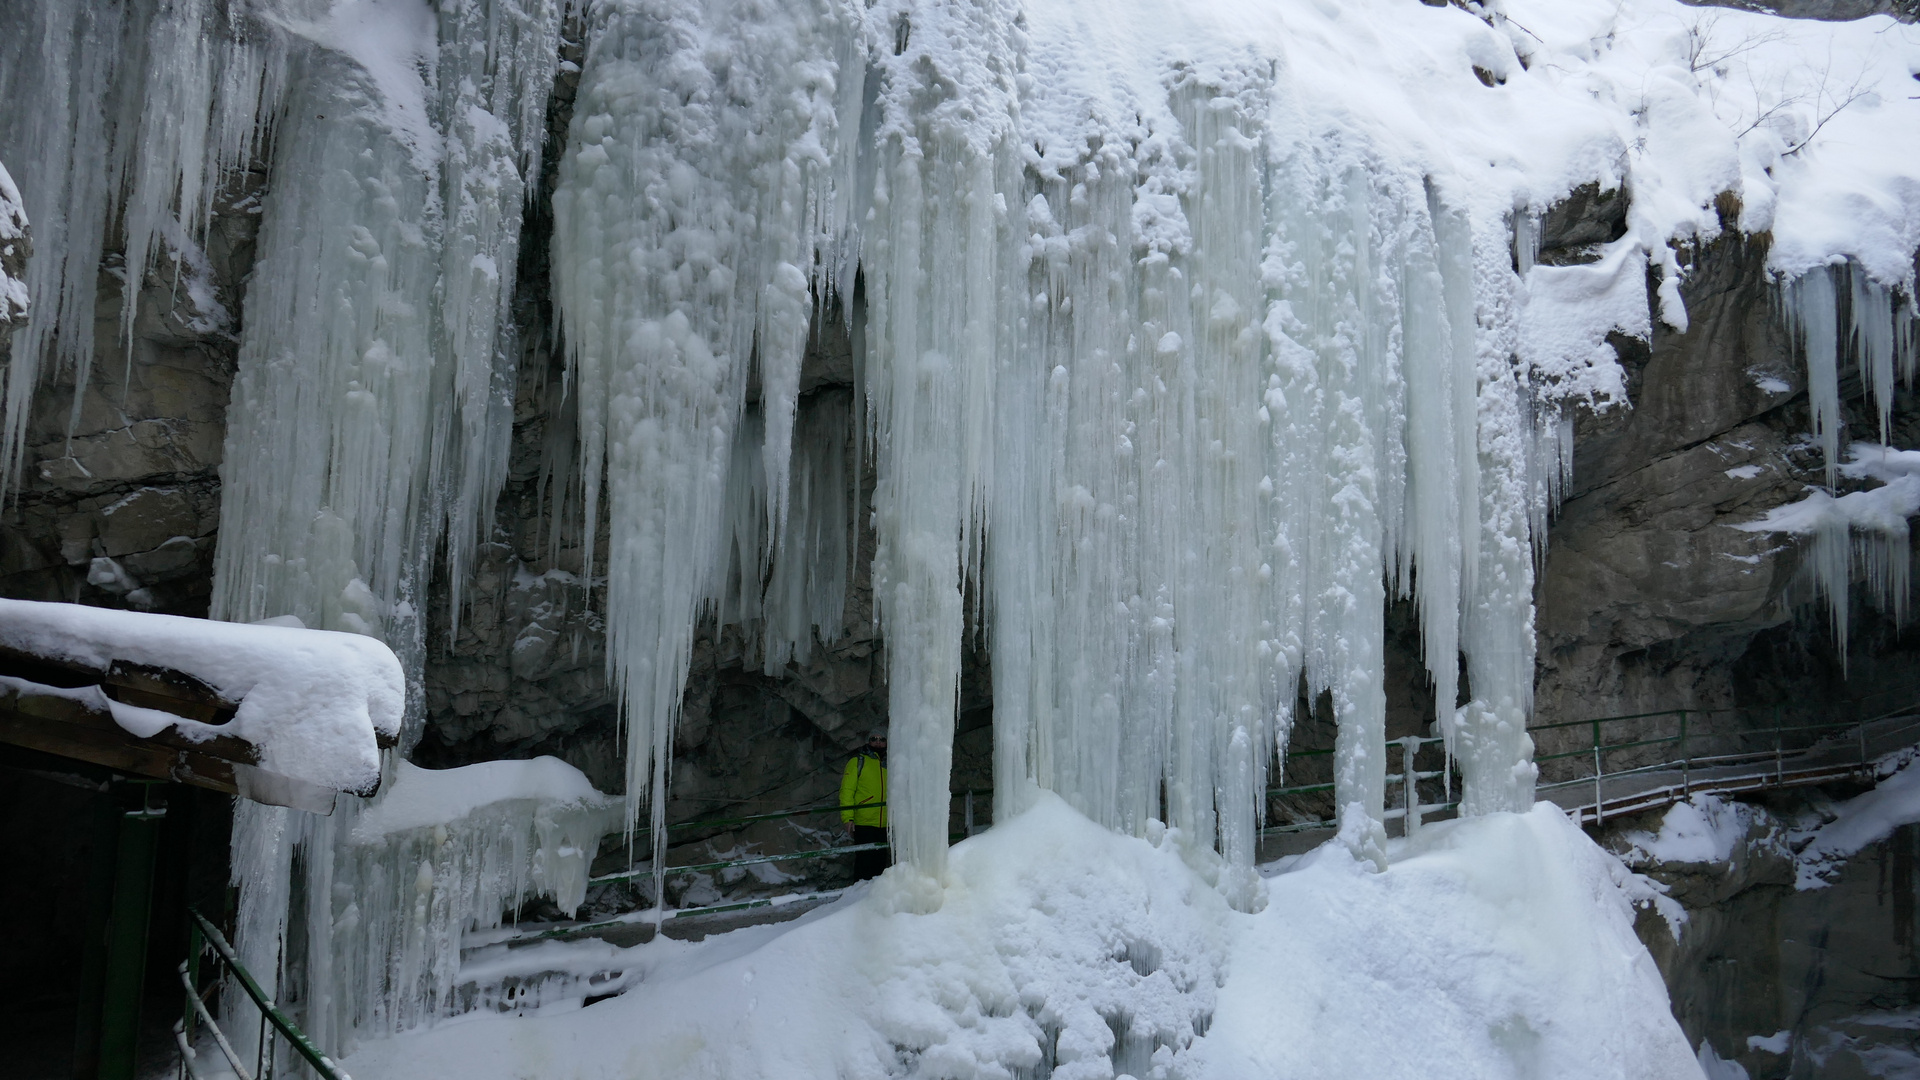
(316, 705)
(1797, 914)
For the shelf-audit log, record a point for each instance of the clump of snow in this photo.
(315, 703)
(1858, 822)
(1776, 1043)
(417, 798)
(1704, 829)
(1717, 1067)
(1491, 947)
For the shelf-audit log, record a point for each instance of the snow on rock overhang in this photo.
(316, 705)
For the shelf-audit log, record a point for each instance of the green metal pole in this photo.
(1686, 759)
(103, 821)
(139, 838)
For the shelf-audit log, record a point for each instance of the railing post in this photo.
(1599, 797)
(1686, 759)
(1779, 745)
(1410, 778)
(136, 844)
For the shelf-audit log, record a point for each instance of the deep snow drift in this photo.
(1493, 947)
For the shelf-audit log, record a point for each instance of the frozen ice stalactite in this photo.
(387, 887)
(327, 509)
(496, 67)
(1834, 311)
(785, 597)
(141, 110)
(933, 257)
(1862, 534)
(1178, 382)
(437, 854)
(1838, 310)
(698, 194)
(370, 416)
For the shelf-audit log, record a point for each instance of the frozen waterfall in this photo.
(1168, 379)
(1187, 338)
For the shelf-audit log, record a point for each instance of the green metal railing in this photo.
(1411, 810)
(274, 1026)
(1706, 753)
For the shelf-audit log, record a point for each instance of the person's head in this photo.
(877, 739)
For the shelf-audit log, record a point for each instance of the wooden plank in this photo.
(125, 681)
(63, 726)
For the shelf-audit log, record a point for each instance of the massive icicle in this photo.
(1179, 379)
(370, 419)
(698, 196)
(141, 111)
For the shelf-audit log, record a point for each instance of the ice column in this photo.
(327, 509)
(699, 198)
(496, 66)
(371, 407)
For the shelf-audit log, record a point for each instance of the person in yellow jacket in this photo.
(863, 804)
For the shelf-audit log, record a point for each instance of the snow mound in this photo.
(1496, 946)
(1705, 829)
(314, 702)
(1858, 822)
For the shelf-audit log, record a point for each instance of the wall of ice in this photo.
(1166, 373)
(1185, 336)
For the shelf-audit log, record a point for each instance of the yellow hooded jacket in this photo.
(864, 782)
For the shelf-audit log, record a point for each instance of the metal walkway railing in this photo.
(1717, 750)
(1674, 754)
(205, 937)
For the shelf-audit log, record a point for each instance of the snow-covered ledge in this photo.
(295, 714)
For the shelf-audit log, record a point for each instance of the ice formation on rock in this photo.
(389, 886)
(1861, 534)
(1177, 390)
(1833, 312)
(698, 194)
(1185, 335)
(141, 111)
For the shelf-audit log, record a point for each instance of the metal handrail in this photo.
(276, 1022)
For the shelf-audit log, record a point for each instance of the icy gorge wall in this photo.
(1094, 396)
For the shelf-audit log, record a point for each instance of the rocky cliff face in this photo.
(1649, 598)
(119, 493)
(1790, 982)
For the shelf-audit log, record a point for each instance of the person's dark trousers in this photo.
(868, 864)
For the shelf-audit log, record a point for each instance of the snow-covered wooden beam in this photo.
(277, 714)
